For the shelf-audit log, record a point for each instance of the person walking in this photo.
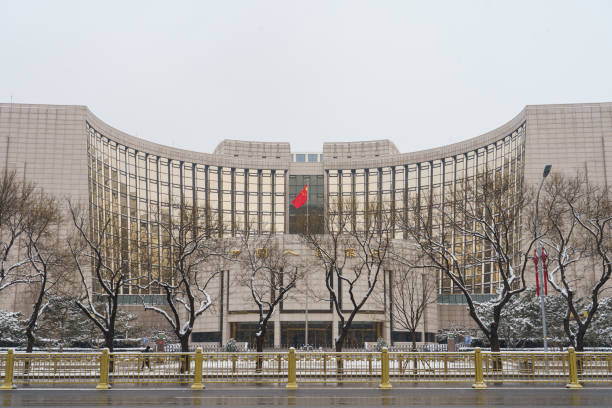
(146, 360)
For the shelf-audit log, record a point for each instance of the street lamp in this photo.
(539, 255)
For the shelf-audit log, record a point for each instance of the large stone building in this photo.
(69, 152)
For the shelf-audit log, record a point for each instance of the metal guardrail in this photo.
(351, 367)
(431, 367)
(594, 367)
(58, 368)
(144, 368)
(245, 367)
(292, 368)
(552, 367)
(3, 358)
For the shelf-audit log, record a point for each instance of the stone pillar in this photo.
(386, 334)
(225, 329)
(334, 329)
(277, 329)
(451, 343)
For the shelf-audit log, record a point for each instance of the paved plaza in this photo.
(417, 396)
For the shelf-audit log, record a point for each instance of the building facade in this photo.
(71, 153)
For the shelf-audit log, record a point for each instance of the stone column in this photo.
(277, 329)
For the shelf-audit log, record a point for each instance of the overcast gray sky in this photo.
(189, 74)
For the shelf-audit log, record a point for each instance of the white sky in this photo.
(190, 74)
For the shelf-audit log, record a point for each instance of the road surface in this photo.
(313, 396)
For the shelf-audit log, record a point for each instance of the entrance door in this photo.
(293, 334)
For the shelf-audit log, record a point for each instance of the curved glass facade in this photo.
(131, 185)
(130, 188)
(396, 186)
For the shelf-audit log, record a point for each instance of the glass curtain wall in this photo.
(309, 217)
(132, 192)
(394, 187)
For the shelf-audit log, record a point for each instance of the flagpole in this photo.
(307, 232)
(307, 206)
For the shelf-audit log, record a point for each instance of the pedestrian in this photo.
(146, 360)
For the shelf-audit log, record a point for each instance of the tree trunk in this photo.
(582, 329)
(29, 348)
(185, 365)
(31, 340)
(108, 340)
(579, 347)
(495, 342)
(415, 360)
(340, 341)
(34, 317)
(495, 348)
(580, 342)
(185, 343)
(259, 343)
(339, 361)
(109, 336)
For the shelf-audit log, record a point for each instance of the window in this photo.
(313, 157)
(300, 158)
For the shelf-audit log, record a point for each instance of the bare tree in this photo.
(352, 250)
(105, 263)
(578, 219)
(192, 240)
(486, 211)
(16, 199)
(48, 259)
(413, 290)
(29, 250)
(269, 272)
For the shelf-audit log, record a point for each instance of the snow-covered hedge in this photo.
(12, 332)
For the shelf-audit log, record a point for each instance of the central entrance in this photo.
(293, 334)
(362, 332)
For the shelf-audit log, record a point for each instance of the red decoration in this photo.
(545, 270)
(301, 198)
(544, 258)
(535, 261)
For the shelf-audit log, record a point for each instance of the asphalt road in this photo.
(420, 396)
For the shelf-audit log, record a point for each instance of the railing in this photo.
(142, 368)
(549, 367)
(431, 367)
(319, 367)
(3, 358)
(244, 367)
(594, 367)
(56, 368)
(290, 368)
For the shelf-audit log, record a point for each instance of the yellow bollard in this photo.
(8, 371)
(384, 365)
(104, 363)
(573, 370)
(291, 378)
(478, 368)
(234, 360)
(369, 364)
(197, 375)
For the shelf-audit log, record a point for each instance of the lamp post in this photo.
(539, 254)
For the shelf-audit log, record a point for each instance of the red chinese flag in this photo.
(301, 198)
